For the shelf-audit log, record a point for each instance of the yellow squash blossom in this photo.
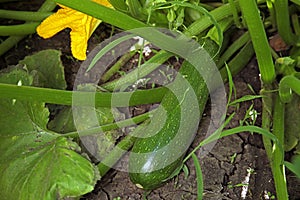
(82, 26)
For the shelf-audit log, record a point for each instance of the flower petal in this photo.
(55, 23)
(80, 36)
(82, 26)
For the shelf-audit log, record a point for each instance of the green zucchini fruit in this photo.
(161, 145)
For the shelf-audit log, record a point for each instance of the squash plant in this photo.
(39, 163)
(30, 153)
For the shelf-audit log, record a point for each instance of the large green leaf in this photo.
(96, 145)
(47, 69)
(36, 163)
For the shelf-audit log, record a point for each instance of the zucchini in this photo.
(158, 152)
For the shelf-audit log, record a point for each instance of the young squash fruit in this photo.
(161, 145)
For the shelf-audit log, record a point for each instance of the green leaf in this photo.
(245, 98)
(15, 75)
(213, 33)
(294, 166)
(199, 177)
(36, 163)
(99, 144)
(186, 171)
(63, 122)
(47, 69)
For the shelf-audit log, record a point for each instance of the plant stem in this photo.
(275, 156)
(122, 147)
(287, 84)
(272, 12)
(278, 153)
(108, 127)
(27, 28)
(259, 39)
(112, 158)
(204, 22)
(235, 14)
(267, 102)
(232, 49)
(121, 62)
(24, 15)
(283, 22)
(65, 97)
(108, 15)
(239, 61)
(139, 72)
(296, 25)
(11, 41)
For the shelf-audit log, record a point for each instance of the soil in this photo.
(224, 168)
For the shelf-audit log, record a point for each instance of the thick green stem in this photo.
(205, 22)
(239, 61)
(108, 127)
(286, 85)
(116, 67)
(47, 6)
(278, 154)
(121, 99)
(283, 22)
(21, 29)
(24, 15)
(275, 155)
(235, 13)
(259, 39)
(10, 42)
(296, 25)
(232, 49)
(267, 110)
(113, 17)
(272, 13)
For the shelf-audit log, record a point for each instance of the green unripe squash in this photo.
(161, 146)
